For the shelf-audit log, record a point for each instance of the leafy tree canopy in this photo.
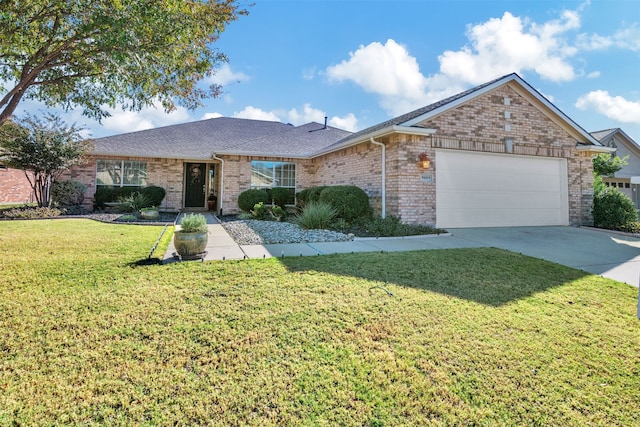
(97, 53)
(606, 165)
(43, 149)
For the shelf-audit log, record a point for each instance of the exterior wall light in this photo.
(424, 160)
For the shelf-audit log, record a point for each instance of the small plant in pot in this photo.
(192, 237)
(149, 213)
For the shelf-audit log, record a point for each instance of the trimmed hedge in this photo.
(154, 194)
(105, 194)
(249, 198)
(349, 201)
(280, 196)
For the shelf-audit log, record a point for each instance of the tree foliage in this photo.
(97, 53)
(606, 165)
(43, 149)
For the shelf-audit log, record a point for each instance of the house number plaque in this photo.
(427, 178)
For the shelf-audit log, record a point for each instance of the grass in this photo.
(450, 337)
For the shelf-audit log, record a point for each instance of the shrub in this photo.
(154, 194)
(349, 201)
(278, 213)
(68, 193)
(314, 193)
(132, 203)
(393, 227)
(302, 197)
(249, 198)
(193, 223)
(103, 195)
(613, 210)
(107, 194)
(316, 215)
(259, 211)
(280, 196)
(31, 213)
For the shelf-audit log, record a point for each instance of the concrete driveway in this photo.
(607, 254)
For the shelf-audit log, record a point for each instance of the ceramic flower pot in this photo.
(149, 214)
(190, 244)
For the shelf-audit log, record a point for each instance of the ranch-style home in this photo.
(499, 154)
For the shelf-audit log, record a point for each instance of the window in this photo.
(121, 173)
(268, 175)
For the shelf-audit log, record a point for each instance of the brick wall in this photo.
(483, 125)
(14, 187)
(165, 173)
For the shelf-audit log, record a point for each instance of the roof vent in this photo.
(325, 122)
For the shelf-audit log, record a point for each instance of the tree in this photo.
(43, 149)
(97, 53)
(606, 165)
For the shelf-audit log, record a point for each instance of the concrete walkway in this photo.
(598, 252)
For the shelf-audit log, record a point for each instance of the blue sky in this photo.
(361, 62)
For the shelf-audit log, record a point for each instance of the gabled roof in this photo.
(230, 136)
(408, 123)
(603, 135)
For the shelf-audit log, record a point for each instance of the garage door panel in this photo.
(489, 190)
(497, 200)
(508, 218)
(497, 182)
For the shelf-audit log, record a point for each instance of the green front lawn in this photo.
(451, 337)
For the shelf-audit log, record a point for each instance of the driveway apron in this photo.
(607, 254)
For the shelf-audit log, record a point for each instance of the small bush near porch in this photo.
(447, 337)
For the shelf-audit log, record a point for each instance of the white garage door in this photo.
(497, 190)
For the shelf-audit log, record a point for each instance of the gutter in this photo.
(384, 175)
(595, 148)
(407, 130)
(221, 198)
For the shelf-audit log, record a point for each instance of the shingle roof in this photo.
(602, 134)
(224, 135)
(194, 140)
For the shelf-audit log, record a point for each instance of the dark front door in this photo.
(194, 189)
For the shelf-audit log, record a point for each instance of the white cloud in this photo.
(309, 73)
(147, 118)
(513, 44)
(613, 107)
(593, 75)
(496, 47)
(254, 113)
(206, 116)
(626, 38)
(224, 76)
(348, 122)
(299, 117)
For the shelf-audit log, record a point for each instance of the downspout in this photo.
(214, 157)
(384, 175)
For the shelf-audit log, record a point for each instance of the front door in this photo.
(194, 187)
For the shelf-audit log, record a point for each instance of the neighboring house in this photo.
(499, 154)
(14, 186)
(626, 179)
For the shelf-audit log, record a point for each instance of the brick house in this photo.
(499, 154)
(14, 186)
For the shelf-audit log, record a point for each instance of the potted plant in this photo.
(192, 237)
(211, 202)
(149, 213)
